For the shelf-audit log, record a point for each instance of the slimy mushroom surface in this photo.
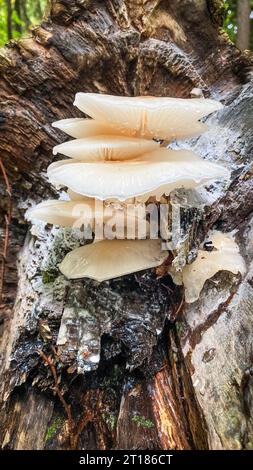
(104, 147)
(225, 256)
(123, 180)
(80, 128)
(64, 213)
(116, 218)
(112, 258)
(152, 117)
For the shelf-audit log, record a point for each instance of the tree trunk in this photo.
(9, 19)
(24, 14)
(243, 24)
(39, 11)
(124, 364)
(18, 26)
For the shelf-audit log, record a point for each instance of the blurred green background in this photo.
(18, 16)
(231, 20)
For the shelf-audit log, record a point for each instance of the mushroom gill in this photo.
(104, 147)
(224, 256)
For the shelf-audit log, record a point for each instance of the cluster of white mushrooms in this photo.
(114, 160)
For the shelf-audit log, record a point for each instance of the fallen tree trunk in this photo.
(124, 364)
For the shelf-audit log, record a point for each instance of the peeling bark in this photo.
(137, 369)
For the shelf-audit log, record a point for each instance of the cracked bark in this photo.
(164, 379)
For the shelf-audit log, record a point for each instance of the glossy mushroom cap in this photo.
(150, 117)
(117, 220)
(104, 147)
(112, 258)
(224, 256)
(123, 180)
(80, 128)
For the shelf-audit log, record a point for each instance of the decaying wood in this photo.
(137, 368)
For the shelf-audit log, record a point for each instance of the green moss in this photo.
(111, 420)
(142, 422)
(49, 275)
(181, 328)
(53, 428)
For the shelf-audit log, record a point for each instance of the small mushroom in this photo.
(112, 258)
(104, 147)
(145, 116)
(225, 256)
(80, 128)
(115, 218)
(123, 180)
(64, 213)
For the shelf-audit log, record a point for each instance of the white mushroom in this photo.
(164, 118)
(112, 258)
(64, 213)
(163, 154)
(75, 196)
(104, 147)
(114, 159)
(80, 128)
(123, 180)
(158, 193)
(117, 220)
(225, 256)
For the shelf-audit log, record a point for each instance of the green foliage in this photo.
(230, 19)
(230, 22)
(53, 428)
(142, 422)
(3, 14)
(111, 420)
(24, 15)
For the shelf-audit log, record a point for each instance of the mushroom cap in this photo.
(164, 118)
(112, 258)
(80, 128)
(90, 212)
(104, 147)
(163, 154)
(123, 180)
(64, 213)
(224, 257)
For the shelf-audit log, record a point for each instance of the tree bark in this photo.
(243, 24)
(124, 364)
